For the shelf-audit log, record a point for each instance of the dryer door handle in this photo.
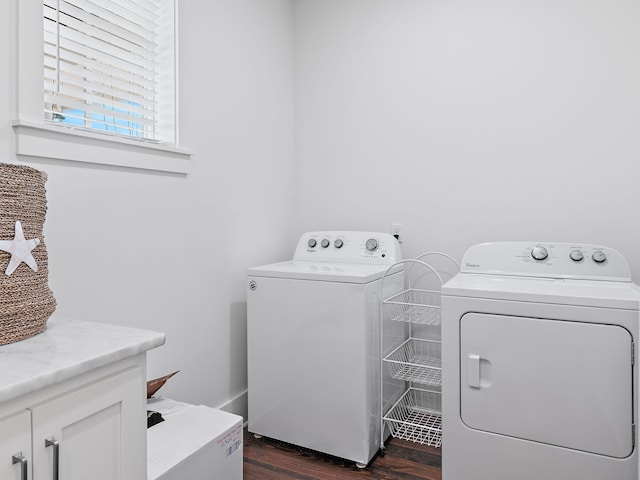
(473, 370)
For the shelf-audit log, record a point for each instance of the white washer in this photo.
(312, 342)
(538, 363)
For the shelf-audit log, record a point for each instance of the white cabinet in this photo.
(15, 445)
(98, 431)
(73, 404)
(95, 431)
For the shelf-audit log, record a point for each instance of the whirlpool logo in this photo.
(472, 265)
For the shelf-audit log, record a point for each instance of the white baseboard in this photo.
(238, 405)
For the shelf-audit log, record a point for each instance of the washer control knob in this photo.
(338, 243)
(599, 256)
(372, 244)
(539, 253)
(325, 243)
(312, 242)
(576, 255)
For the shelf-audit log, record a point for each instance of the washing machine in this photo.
(539, 364)
(313, 342)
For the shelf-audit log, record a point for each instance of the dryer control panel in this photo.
(547, 259)
(372, 248)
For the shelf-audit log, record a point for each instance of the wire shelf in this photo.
(417, 417)
(414, 306)
(416, 361)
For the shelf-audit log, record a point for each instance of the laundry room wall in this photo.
(470, 121)
(170, 252)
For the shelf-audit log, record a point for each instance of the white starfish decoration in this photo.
(20, 250)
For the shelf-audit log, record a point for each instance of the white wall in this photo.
(170, 252)
(470, 121)
(466, 121)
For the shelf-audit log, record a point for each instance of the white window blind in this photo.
(101, 68)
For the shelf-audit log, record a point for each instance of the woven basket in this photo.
(26, 302)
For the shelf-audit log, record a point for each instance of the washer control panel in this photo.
(348, 247)
(546, 259)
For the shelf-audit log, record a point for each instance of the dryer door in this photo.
(561, 383)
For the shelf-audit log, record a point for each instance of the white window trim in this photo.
(34, 137)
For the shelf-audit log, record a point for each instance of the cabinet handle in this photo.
(18, 458)
(56, 454)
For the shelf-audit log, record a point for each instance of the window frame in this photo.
(36, 137)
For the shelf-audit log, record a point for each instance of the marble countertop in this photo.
(65, 349)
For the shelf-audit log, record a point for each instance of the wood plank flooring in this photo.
(267, 459)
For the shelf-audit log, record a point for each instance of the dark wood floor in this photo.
(267, 459)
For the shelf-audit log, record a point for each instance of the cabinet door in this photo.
(15, 441)
(100, 431)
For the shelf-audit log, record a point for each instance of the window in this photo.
(100, 65)
(109, 75)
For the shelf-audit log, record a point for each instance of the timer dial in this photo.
(599, 256)
(539, 253)
(372, 244)
(576, 255)
(338, 243)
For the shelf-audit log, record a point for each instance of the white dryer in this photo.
(539, 365)
(313, 341)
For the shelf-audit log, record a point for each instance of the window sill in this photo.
(65, 143)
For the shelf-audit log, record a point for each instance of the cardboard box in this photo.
(194, 443)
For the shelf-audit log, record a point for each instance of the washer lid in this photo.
(587, 293)
(321, 271)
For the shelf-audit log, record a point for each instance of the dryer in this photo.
(539, 364)
(313, 342)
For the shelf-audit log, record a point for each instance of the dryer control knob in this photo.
(599, 256)
(338, 243)
(576, 255)
(539, 253)
(372, 244)
(312, 242)
(325, 243)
